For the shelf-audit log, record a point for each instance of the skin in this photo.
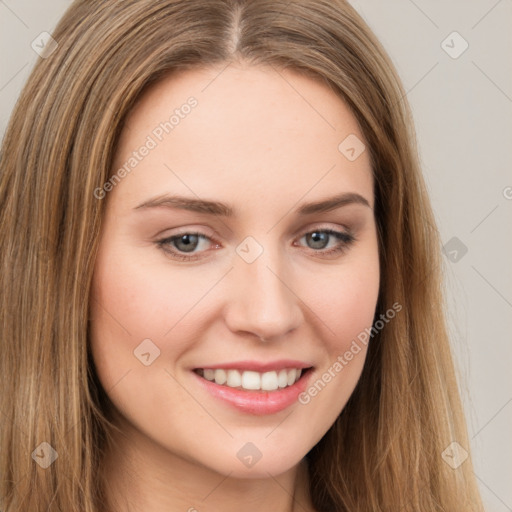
(265, 148)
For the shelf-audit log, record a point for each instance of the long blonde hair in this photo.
(384, 452)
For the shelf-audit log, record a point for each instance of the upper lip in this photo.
(257, 366)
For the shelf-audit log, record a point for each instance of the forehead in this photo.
(254, 132)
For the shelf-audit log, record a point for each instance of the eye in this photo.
(319, 239)
(183, 246)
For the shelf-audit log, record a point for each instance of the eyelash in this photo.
(346, 240)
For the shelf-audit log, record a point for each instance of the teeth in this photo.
(220, 377)
(250, 380)
(234, 378)
(282, 379)
(209, 374)
(269, 381)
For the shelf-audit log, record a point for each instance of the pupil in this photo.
(319, 238)
(189, 242)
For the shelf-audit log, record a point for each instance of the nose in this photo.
(262, 300)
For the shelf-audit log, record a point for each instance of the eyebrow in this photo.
(224, 210)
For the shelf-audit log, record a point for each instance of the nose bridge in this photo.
(262, 301)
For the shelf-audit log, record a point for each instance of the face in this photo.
(227, 262)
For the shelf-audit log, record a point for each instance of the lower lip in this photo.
(257, 402)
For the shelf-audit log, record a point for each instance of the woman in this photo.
(221, 278)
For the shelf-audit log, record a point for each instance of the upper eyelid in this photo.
(214, 234)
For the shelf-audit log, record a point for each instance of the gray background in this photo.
(462, 108)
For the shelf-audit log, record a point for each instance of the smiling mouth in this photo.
(247, 380)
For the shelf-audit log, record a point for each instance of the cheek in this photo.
(352, 307)
(132, 302)
(138, 300)
(345, 301)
